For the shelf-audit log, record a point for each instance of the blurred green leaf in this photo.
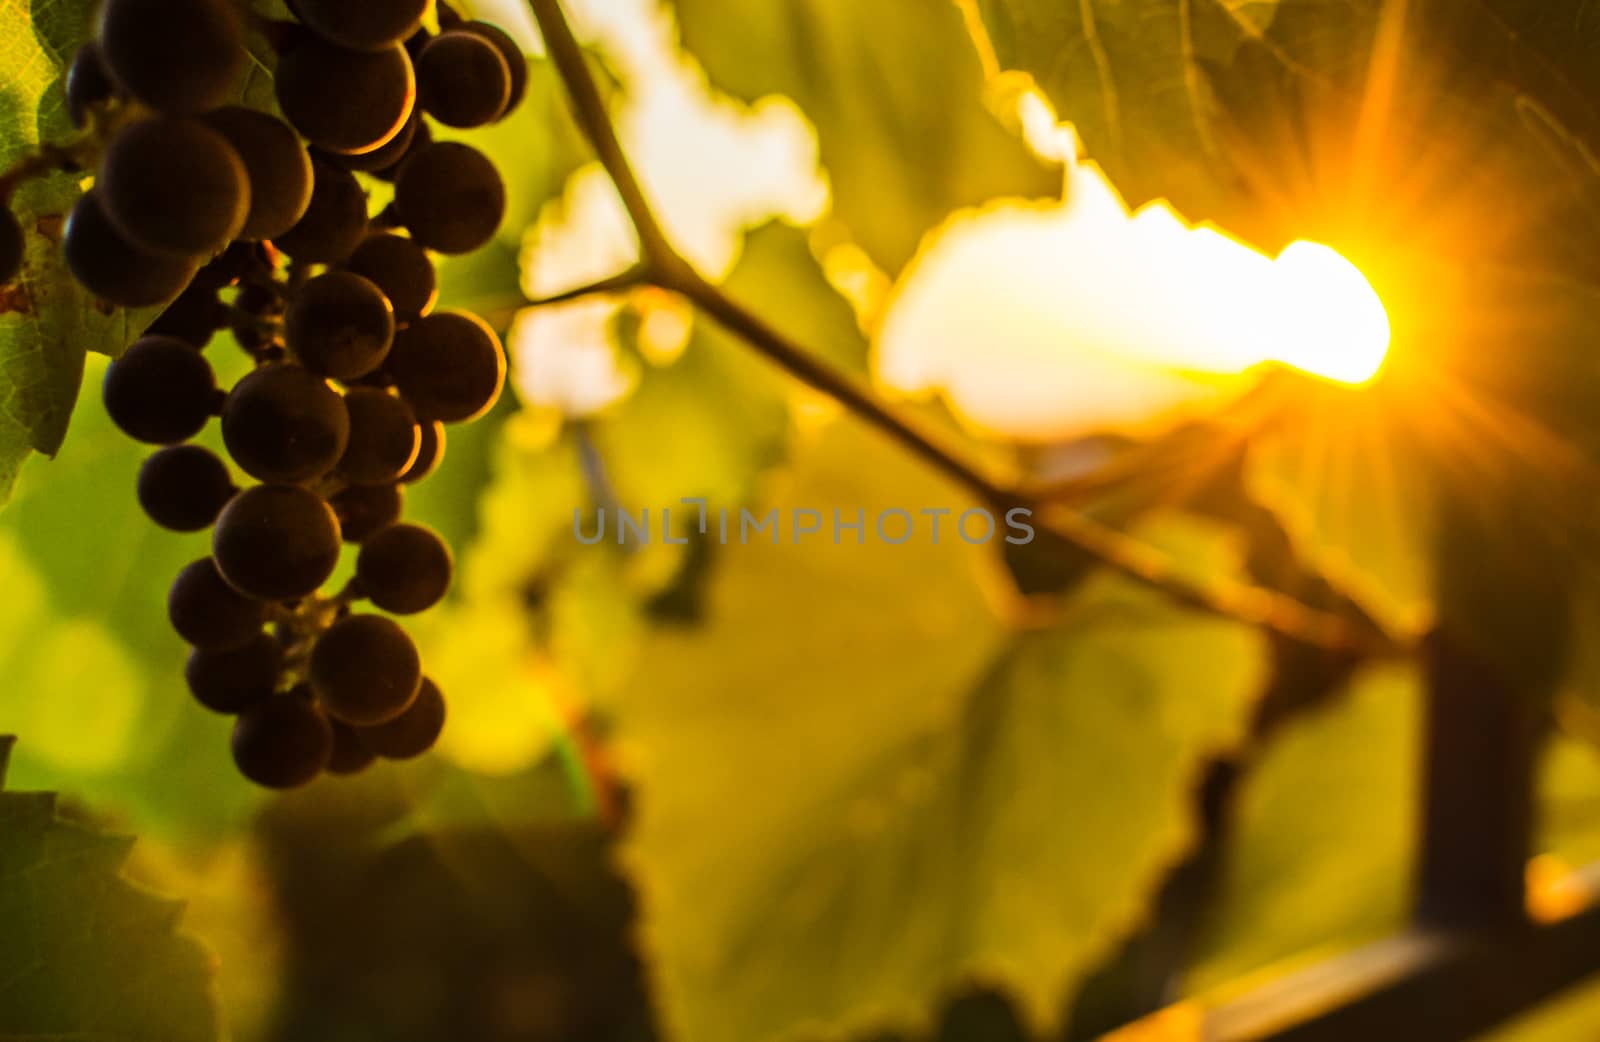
(1321, 838)
(104, 702)
(1128, 76)
(47, 322)
(906, 792)
(85, 953)
(1349, 489)
(895, 91)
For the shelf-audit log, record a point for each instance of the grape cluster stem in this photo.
(664, 267)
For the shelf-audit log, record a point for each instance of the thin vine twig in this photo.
(663, 266)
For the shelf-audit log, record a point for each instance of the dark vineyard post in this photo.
(1481, 740)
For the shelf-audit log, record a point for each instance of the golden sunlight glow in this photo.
(1045, 322)
(1337, 327)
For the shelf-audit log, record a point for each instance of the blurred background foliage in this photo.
(733, 793)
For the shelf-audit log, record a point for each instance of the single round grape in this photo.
(112, 268)
(345, 100)
(232, 680)
(516, 61)
(350, 754)
(12, 246)
(365, 509)
(174, 186)
(334, 223)
(382, 157)
(401, 269)
(384, 437)
(160, 391)
(449, 366)
(405, 569)
(430, 453)
(462, 80)
(277, 164)
(194, 317)
(414, 731)
(282, 743)
(340, 325)
(420, 139)
(283, 423)
(88, 84)
(276, 542)
(184, 487)
(208, 613)
(451, 197)
(365, 25)
(365, 670)
(178, 56)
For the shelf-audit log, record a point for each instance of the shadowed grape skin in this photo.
(414, 731)
(365, 509)
(448, 367)
(350, 755)
(334, 223)
(516, 61)
(176, 56)
(384, 437)
(194, 317)
(231, 265)
(282, 743)
(383, 157)
(345, 100)
(113, 269)
(283, 423)
(12, 246)
(365, 670)
(462, 80)
(430, 453)
(401, 269)
(340, 325)
(184, 487)
(210, 614)
(232, 680)
(160, 391)
(420, 139)
(450, 197)
(276, 542)
(404, 569)
(88, 84)
(363, 24)
(278, 167)
(174, 186)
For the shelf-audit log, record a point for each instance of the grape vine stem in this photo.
(664, 267)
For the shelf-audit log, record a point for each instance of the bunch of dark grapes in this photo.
(257, 223)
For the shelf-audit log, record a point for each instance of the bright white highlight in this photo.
(1043, 323)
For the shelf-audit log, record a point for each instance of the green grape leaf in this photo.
(895, 91)
(47, 322)
(1325, 820)
(86, 638)
(86, 953)
(858, 788)
(1127, 74)
(1136, 78)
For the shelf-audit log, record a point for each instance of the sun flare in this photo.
(1044, 322)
